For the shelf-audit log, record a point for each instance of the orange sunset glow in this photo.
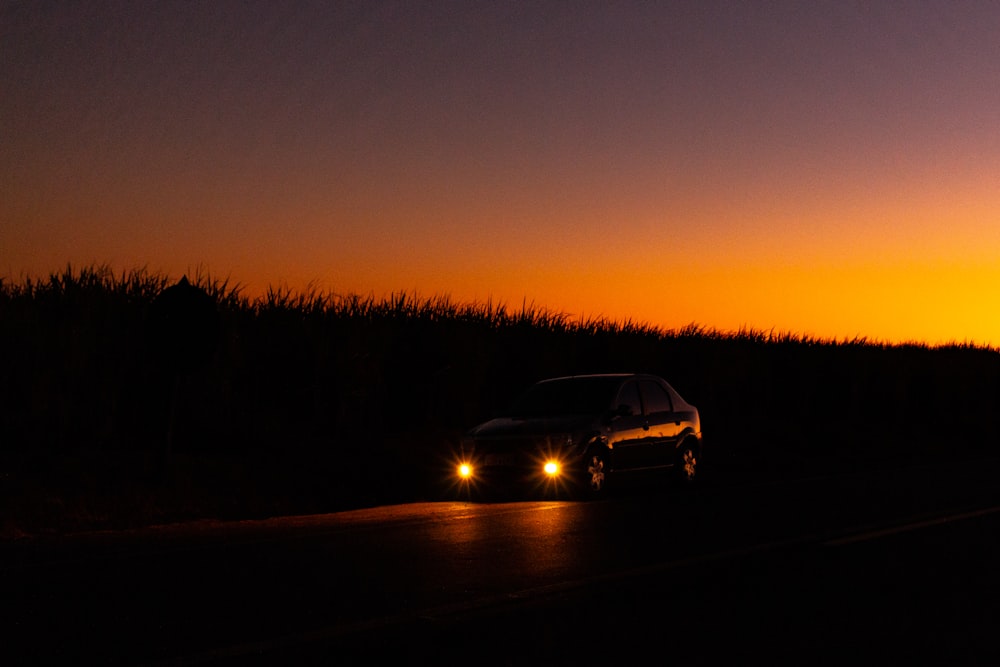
(828, 169)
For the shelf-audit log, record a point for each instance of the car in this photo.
(582, 434)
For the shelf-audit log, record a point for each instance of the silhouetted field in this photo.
(116, 410)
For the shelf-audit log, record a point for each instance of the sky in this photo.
(829, 169)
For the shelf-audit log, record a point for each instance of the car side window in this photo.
(628, 397)
(656, 398)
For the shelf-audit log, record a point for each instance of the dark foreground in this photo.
(895, 566)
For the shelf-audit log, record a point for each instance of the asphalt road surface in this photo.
(897, 566)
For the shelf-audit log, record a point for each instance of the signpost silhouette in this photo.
(185, 327)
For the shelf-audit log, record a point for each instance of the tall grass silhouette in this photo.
(314, 401)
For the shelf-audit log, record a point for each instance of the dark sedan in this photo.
(583, 432)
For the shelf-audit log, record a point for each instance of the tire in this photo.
(595, 474)
(686, 466)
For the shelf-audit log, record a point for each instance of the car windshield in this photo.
(565, 397)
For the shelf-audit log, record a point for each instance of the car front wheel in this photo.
(596, 474)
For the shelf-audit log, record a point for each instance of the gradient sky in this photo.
(824, 168)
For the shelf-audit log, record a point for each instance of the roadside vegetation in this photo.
(114, 413)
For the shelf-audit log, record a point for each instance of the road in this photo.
(896, 565)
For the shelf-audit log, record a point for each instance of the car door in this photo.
(663, 423)
(629, 431)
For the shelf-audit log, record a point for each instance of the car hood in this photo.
(512, 426)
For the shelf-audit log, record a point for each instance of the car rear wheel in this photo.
(686, 467)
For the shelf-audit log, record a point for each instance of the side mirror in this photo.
(617, 413)
(623, 411)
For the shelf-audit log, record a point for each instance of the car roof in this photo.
(621, 376)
